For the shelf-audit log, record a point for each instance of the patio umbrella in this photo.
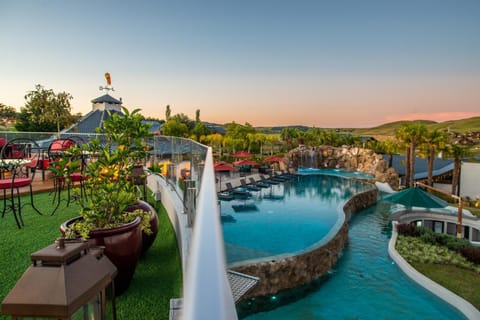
(245, 163)
(416, 197)
(273, 159)
(242, 154)
(224, 167)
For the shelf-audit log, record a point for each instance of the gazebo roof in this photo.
(106, 98)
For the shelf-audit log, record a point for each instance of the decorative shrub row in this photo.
(461, 246)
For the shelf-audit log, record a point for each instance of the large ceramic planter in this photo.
(147, 239)
(123, 246)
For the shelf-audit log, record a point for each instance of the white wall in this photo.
(470, 180)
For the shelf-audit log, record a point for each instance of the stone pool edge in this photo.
(287, 272)
(446, 295)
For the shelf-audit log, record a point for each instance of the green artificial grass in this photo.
(157, 279)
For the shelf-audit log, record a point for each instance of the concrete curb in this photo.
(456, 301)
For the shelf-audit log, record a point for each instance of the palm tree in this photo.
(457, 152)
(418, 133)
(404, 139)
(435, 141)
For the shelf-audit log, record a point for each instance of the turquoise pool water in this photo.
(285, 218)
(365, 283)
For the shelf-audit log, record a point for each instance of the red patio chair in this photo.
(19, 159)
(58, 150)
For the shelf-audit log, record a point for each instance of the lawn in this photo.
(443, 266)
(157, 279)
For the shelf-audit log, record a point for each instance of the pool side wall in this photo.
(293, 271)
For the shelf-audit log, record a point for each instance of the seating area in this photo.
(21, 159)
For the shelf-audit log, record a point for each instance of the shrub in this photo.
(472, 254)
(455, 244)
(428, 237)
(406, 229)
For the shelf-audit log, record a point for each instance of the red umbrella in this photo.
(245, 163)
(242, 154)
(273, 159)
(224, 167)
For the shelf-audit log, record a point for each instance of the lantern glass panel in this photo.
(90, 311)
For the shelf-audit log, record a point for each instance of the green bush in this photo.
(472, 254)
(455, 244)
(407, 229)
(428, 237)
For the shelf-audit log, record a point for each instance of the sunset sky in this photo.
(316, 63)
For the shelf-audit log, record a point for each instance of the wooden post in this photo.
(460, 206)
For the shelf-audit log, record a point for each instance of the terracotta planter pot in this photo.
(147, 239)
(123, 246)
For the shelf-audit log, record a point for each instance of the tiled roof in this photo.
(91, 121)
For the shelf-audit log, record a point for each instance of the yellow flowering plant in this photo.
(109, 188)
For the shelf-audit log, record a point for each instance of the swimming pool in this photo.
(364, 284)
(285, 218)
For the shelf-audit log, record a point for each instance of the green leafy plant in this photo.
(108, 185)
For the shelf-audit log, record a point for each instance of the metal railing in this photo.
(187, 167)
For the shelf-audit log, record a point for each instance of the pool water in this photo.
(364, 284)
(285, 218)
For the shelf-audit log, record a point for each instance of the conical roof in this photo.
(415, 197)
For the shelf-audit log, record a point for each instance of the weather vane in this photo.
(108, 87)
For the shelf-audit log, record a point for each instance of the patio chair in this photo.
(19, 161)
(249, 187)
(236, 191)
(59, 150)
(259, 184)
(269, 181)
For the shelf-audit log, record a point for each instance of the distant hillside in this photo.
(462, 126)
(387, 129)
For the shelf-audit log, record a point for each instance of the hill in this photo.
(388, 129)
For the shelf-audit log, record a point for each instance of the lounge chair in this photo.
(236, 191)
(249, 187)
(225, 196)
(269, 181)
(259, 184)
(275, 177)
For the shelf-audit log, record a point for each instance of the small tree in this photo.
(7, 113)
(45, 111)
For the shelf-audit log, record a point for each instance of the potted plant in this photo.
(111, 213)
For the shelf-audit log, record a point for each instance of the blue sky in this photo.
(317, 63)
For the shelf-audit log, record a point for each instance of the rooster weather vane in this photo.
(108, 87)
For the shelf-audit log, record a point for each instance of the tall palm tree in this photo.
(457, 152)
(418, 132)
(412, 135)
(435, 140)
(403, 137)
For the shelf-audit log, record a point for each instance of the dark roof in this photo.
(91, 121)
(106, 98)
(440, 166)
(155, 126)
(216, 128)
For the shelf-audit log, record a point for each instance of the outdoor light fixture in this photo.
(67, 280)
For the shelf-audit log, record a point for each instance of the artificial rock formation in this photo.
(346, 157)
